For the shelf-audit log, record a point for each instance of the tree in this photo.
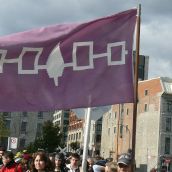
(49, 140)
(4, 132)
(74, 145)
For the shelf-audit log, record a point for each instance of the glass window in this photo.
(114, 129)
(146, 92)
(169, 106)
(146, 108)
(40, 115)
(22, 142)
(168, 124)
(23, 126)
(167, 145)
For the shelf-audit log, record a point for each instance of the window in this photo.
(121, 130)
(168, 124)
(99, 127)
(169, 106)
(146, 108)
(108, 131)
(22, 142)
(127, 111)
(167, 145)
(24, 114)
(7, 123)
(7, 114)
(39, 129)
(114, 129)
(79, 135)
(115, 114)
(146, 92)
(98, 138)
(23, 127)
(40, 115)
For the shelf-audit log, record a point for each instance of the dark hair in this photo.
(43, 157)
(8, 154)
(75, 155)
(2, 149)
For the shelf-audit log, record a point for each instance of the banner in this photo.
(68, 65)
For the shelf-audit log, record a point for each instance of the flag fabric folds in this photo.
(68, 65)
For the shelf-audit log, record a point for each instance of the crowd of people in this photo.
(41, 161)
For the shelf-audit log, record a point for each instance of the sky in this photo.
(156, 22)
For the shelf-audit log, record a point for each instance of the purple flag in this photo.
(68, 65)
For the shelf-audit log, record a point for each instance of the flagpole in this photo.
(86, 139)
(136, 83)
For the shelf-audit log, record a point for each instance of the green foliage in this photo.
(74, 145)
(49, 140)
(4, 132)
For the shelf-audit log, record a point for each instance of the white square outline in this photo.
(80, 44)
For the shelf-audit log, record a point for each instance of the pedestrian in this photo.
(124, 163)
(74, 163)
(41, 163)
(2, 150)
(9, 165)
(59, 163)
(111, 167)
(90, 164)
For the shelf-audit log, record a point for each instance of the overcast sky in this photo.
(156, 24)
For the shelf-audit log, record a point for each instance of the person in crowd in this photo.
(124, 163)
(99, 166)
(111, 167)
(74, 163)
(52, 159)
(9, 165)
(2, 150)
(59, 163)
(41, 163)
(90, 164)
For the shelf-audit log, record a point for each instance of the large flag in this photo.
(68, 65)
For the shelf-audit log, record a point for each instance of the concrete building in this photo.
(154, 124)
(95, 137)
(75, 131)
(26, 126)
(61, 118)
(117, 128)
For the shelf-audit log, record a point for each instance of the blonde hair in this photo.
(112, 166)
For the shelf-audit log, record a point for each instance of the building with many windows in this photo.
(154, 124)
(26, 126)
(75, 131)
(61, 118)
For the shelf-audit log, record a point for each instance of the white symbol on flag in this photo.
(55, 64)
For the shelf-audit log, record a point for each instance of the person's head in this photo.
(2, 150)
(74, 159)
(111, 167)
(59, 158)
(7, 157)
(90, 161)
(52, 157)
(124, 163)
(40, 162)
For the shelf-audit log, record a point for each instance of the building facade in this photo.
(26, 126)
(61, 118)
(154, 125)
(117, 126)
(75, 132)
